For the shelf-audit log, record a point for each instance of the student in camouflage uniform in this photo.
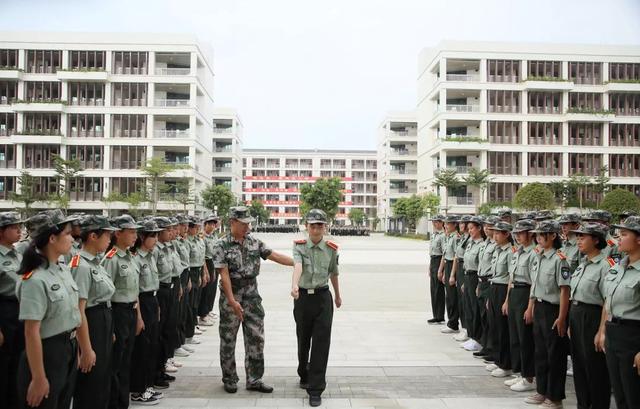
(436, 250)
(210, 289)
(591, 379)
(48, 298)
(619, 333)
(95, 334)
(124, 272)
(316, 262)
(237, 259)
(11, 328)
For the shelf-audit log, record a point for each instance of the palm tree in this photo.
(447, 178)
(479, 179)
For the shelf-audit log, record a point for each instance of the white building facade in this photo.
(112, 101)
(227, 149)
(274, 177)
(397, 148)
(527, 113)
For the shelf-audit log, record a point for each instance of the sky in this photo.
(323, 74)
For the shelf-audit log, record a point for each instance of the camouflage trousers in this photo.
(246, 293)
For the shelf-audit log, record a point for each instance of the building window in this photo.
(7, 157)
(619, 134)
(91, 93)
(627, 104)
(130, 62)
(9, 59)
(504, 132)
(503, 101)
(8, 92)
(585, 134)
(85, 126)
(7, 123)
(503, 70)
(7, 187)
(545, 102)
(545, 133)
(624, 165)
(502, 192)
(544, 69)
(585, 72)
(504, 163)
(585, 100)
(43, 61)
(87, 60)
(128, 157)
(588, 164)
(127, 186)
(545, 164)
(624, 72)
(129, 94)
(85, 189)
(39, 156)
(128, 126)
(42, 124)
(42, 91)
(90, 157)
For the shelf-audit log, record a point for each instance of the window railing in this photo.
(172, 102)
(461, 200)
(171, 133)
(223, 130)
(462, 77)
(462, 108)
(86, 101)
(173, 71)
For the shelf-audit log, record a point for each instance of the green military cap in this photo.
(78, 218)
(593, 229)
(316, 216)
(631, 223)
(477, 220)
(570, 218)
(598, 215)
(193, 220)
(544, 215)
(150, 226)
(164, 222)
(502, 226)
(466, 218)
(96, 222)
(527, 216)
(547, 226)
(437, 218)
(9, 218)
(524, 225)
(182, 219)
(491, 220)
(174, 220)
(211, 218)
(125, 222)
(241, 214)
(504, 212)
(45, 222)
(452, 219)
(627, 213)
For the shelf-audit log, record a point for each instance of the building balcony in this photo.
(172, 133)
(403, 152)
(86, 75)
(172, 103)
(460, 200)
(223, 169)
(545, 110)
(225, 131)
(38, 136)
(7, 132)
(460, 169)
(223, 149)
(172, 71)
(403, 172)
(86, 134)
(590, 115)
(548, 84)
(462, 78)
(402, 190)
(503, 109)
(10, 73)
(42, 105)
(396, 134)
(461, 108)
(129, 133)
(75, 101)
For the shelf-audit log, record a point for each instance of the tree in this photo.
(619, 200)
(135, 200)
(431, 202)
(561, 191)
(357, 217)
(411, 209)
(26, 196)
(218, 198)
(111, 198)
(534, 196)
(183, 194)
(155, 169)
(579, 182)
(601, 183)
(479, 179)
(66, 170)
(259, 212)
(447, 178)
(323, 194)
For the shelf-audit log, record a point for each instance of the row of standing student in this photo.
(560, 288)
(101, 331)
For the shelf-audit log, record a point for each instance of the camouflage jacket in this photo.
(242, 259)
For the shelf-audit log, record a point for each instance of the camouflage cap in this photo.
(150, 226)
(504, 212)
(125, 222)
(598, 215)
(9, 218)
(59, 217)
(627, 213)
(466, 218)
(437, 218)
(241, 214)
(174, 220)
(631, 223)
(527, 216)
(502, 226)
(316, 216)
(593, 229)
(45, 222)
(477, 220)
(194, 220)
(544, 215)
(569, 218)
(211, 218)
(78, 217)
(547, 226)
(491, 220)
(182, 219)
(524, 225)
(452, 219)
(96, 222)
(164, 222)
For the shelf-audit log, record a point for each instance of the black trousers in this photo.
(166, 325)
(622, 343)
(13, 332)
(195, 274)
(470, 306)
(184, 309)
(590, 375)
(551, 352)
(175, 326)
(60, 359)
(451, 297)
(314, 315)
(482, 319)
(144, 370)
(499, 326)
(521, 333)
(124, 323)
(459, 284)
(93, 388)
(437, 289)
(208, 292)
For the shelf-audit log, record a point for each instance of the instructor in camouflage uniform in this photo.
(236, 257)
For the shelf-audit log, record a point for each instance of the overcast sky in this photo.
(322, 74)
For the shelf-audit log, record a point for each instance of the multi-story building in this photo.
(111, 101)
(528, 113)
(397, 161)
(227, 149)
(274, 177)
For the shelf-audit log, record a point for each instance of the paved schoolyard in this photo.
(383, 354)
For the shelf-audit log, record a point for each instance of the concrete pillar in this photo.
(151, 94)
(106, 158)
(523, 70)
(524, 133)
(65, 60)
(483, 100)
(565, 164)
(605, 72)
(565, 70)
(108, 60)
(524, 102)
(19, 156)
(524, 164)
(483, 70)
(443, 69)
(443, 100)
(194, 64)
(22, 60)
(152, 63)
(193, 95)
(150, 126)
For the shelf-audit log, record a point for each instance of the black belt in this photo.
(625, 322)
(484, 279)
(149, 293)
(460, 259)
(471, 272)
(99, 306)
(4, 298)
(504, 284)
(67, 335)
(128, 305)
(520, 285)
(438, 255)
(166, 285)
(584, 304)
(541, 301)
(312, 291)
(242, 281)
